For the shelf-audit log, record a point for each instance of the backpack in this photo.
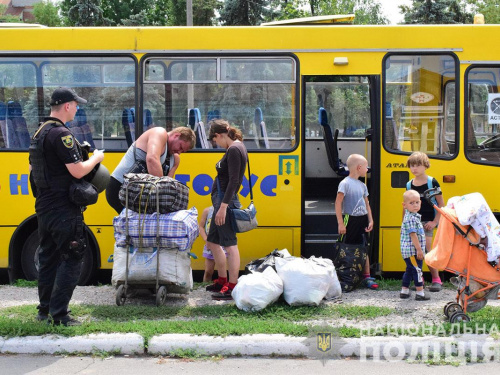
(429, 186)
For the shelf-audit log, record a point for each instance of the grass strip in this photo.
(220, 320)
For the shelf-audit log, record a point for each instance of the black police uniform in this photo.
(60, 224)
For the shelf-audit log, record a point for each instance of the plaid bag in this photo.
(177, 230)
(173, 195)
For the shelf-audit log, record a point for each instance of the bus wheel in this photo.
(29, 261)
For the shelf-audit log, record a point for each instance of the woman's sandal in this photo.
(370, 283)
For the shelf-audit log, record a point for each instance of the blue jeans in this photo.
(58, 273)
(412, 273)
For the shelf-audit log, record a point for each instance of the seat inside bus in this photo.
(262, 133)
(331, 146)
(195, 123)
(128, 123)
(3, 125)
(81, 128)
(16, 128)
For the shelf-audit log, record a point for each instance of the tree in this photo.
(244, 12)
(203, 12)
(46, 13)
(87, 13)
(436, 12)
(366, 12)
(488, 8)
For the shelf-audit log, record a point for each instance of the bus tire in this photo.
(29, 261)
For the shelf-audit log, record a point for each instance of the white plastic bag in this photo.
(335, 289)
(174, 270)
(256, 291)
(305, 282)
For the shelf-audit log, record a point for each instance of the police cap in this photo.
(65, 95)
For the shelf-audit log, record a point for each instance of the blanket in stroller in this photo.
(472, 209)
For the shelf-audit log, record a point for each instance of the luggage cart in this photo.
(123, 287)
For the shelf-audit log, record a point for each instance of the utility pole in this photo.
(189, 22)
(189, 12)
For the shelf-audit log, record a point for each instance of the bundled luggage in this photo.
(174, 230)
(139, 193)
(153, 234)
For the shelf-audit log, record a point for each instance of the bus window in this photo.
(483, 115)
(346, 100)
(420, 104)
(108, 83)
(18, 103)
(255, 94)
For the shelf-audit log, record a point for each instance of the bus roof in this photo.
(11, 25)
(316, 20)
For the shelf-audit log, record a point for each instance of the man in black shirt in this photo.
(60, 222)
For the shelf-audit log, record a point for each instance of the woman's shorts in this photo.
(223, 235)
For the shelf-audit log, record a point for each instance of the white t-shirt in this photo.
(355, 193)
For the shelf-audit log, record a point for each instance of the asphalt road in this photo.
(54, 365)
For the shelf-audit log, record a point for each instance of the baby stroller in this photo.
(457, 249)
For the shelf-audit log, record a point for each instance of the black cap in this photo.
(65, 95)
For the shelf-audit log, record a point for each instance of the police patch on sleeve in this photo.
(68, 141)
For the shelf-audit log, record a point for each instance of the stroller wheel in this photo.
(450, 308)
(459, 317)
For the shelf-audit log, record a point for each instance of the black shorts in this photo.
(223, 235)
(355, 229)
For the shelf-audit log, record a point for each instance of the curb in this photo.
(247, 345)
(123, 343)
(376, 348)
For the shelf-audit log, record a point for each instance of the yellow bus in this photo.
(387, 90)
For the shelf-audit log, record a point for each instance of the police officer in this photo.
(56, 161)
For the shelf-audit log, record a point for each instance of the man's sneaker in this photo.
(435, 287)
(67, 321)
(425, 297)
(404, 295)
(215, 287)
(42, 316)
(223, 295)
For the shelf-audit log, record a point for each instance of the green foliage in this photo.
(244, 12)
(7, 17)
(87, 13)
(488, 8)
(26, 283)
(46, 13)
(366, 12)
(436, 12)
(203, 12)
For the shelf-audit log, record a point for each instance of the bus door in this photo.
(341, 115)
(420, 112)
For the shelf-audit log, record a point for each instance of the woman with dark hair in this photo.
(230, 171)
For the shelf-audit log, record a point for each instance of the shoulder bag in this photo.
(242, 219)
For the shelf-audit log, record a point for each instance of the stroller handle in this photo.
(431, 193)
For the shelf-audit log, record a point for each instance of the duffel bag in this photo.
(177, 230)
(141, 190)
